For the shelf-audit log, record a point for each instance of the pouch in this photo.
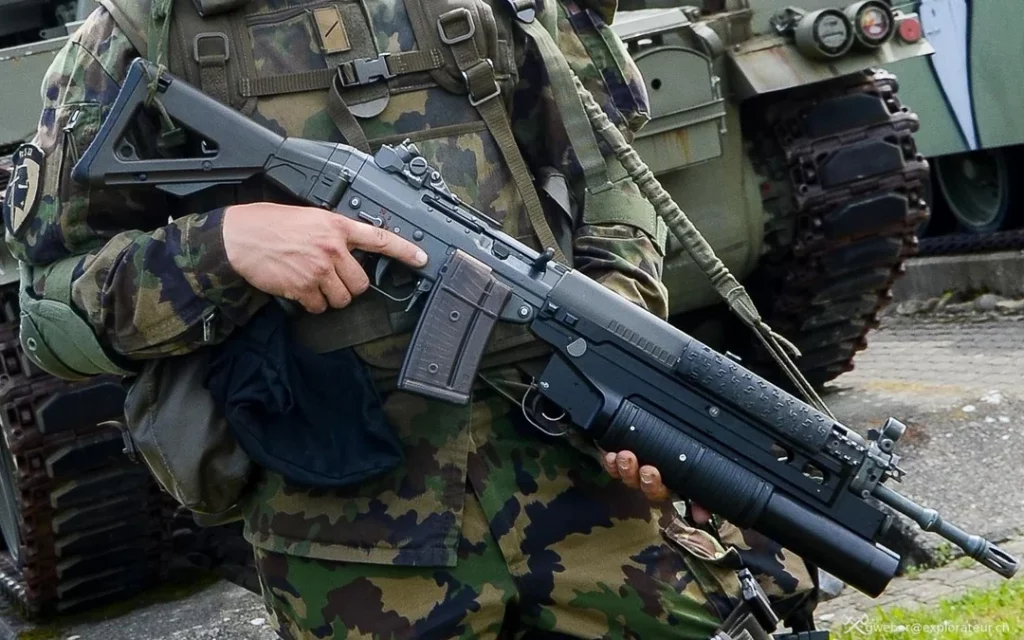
(183, 437)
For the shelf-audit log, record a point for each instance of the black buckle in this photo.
(205, 58)
(523, 10)
(452, 16)
(755, 597)
(365, 70)
(821, 634)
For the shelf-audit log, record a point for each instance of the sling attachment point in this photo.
(453, 18)
(211, 52)
(756, 598)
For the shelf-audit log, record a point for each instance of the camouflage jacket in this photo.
(151, 271)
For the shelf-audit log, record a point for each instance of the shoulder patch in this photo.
(23, 189)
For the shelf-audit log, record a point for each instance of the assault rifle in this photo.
(722, 436)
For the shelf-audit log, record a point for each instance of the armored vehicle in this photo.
(968, 95)
(797, 164)
(79, 521)
(777, 132)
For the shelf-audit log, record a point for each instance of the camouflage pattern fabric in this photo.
(546, 536)
(146, 282)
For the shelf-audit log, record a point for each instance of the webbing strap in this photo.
(388, 65)
(211, 51)
(286, 83)
(574, 118)
(352, 73)
(345, 121)
(457, 28)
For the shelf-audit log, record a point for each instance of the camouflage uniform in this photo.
(485, 517)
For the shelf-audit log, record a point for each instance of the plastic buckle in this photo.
(203, 59)
(756, 598)
(494, 94)
(367, 70)
(451, 16)
(524, 10)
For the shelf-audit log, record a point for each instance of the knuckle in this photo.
(321, 268)
(329, 247)
(381, 239)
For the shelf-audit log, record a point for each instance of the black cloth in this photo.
(316, 419)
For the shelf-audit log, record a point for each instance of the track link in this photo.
(964, 243)
(90, 524)
(844, 192)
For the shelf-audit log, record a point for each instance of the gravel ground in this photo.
(221, 611)
(953, 377)
(957, 384)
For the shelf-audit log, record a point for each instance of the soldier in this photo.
(487, 528)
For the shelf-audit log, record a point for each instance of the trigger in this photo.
(381, 270)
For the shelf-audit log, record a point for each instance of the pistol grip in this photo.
(453, 331)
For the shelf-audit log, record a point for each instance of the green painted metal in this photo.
(939, 132)
(766, 64)
(699, 67)
(968, 98)
(21, 74)
(994, 44)
(997, 54)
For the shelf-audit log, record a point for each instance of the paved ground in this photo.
(954, 380)
(222, 611)
(957, 384)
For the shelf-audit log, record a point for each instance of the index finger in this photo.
(376, 240)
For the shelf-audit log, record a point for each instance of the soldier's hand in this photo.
(624, 466)
(305, 254)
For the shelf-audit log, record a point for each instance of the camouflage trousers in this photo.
(550, 546)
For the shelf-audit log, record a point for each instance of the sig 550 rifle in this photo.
(623, 376)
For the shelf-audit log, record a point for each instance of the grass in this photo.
(981, 614)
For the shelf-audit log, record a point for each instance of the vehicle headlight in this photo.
(826, 33)
(873, 24)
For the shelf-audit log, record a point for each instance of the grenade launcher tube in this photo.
(712, 480)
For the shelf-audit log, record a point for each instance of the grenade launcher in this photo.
(721, 436)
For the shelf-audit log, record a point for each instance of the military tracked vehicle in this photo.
(775, 129)
(80, 522)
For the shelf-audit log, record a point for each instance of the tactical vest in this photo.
(439, 72)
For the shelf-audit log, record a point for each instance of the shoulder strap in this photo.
(457, 29)
(563, 90)
(132, 17)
